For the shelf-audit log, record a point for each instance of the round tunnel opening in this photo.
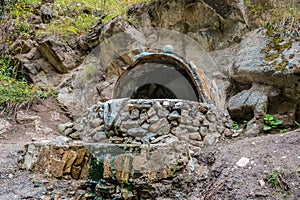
(158, 76)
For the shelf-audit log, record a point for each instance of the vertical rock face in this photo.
(214, 24)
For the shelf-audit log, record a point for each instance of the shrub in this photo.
(271, 123)
(14, 89)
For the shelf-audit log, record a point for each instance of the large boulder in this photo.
(61, 56)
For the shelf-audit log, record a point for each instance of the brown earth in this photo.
(217, 175)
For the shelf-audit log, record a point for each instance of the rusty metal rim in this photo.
(162, 58)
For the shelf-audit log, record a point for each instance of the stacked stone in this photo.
(91, 127)
(57, 160)
(152, 121)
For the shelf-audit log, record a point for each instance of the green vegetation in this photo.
(272, 124)
(274, 179)
(14, 89)
(235, 126)
(71, 18)
(96, 168)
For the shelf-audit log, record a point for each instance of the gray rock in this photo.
(61, 140)
(186, 120)
(47, 13)
(145, 126)
(25, 118)
(75, 136)
(156, 105)
(143, 117)
(129, 124)
(151, 112)
(96, 122)
(203, 131)
(171, 139)
(21, 46)
(254, 127)
(196, 122)
(210, 139)
(59, 54)
(135, 113)
(99, 136)
(163, 112)
(174, 123)
(137, 132)
(195, 136)
(205, 123)
(166, 104)
(177, 105)
(159, 139)
(179, 131)
(64, 126)
(200, 116)
(211, 117)
(68, 131)
(174, 116)
(242, 162)
(153, 119)
(185, 113)
(4, 125)
(158, 125)
(164, 130)
(111, 111)
(248, 103)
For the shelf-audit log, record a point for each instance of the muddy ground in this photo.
(264, 167)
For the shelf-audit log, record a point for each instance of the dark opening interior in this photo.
(153, 91)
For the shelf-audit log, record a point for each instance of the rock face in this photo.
(262, 88)
(214, 24)
(60, 55)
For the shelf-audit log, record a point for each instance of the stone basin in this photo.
(126, 139)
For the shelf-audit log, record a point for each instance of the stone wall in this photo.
(137, 121)
(129, 145)
(54, 159)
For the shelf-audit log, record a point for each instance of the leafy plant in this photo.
(283, 130)
(23, 27)
(297, 124)
(274, 178)
(271, 123)
(235, 126)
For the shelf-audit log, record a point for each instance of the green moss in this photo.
(280, 18)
